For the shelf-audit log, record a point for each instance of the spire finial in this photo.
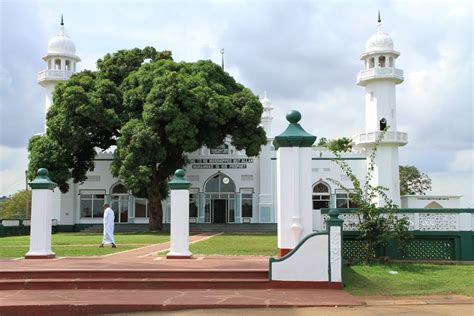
(222, 58)
(379, 20)
(62, 21)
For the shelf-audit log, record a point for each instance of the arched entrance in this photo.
(119, 199)
(220, 199)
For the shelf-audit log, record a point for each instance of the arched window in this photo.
(219, 183)
(371, 63)
(119, 189)
(321, 196)
(382, 61)
(57, 64)
(383, 124)
(68, 65)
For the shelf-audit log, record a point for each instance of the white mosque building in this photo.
(230, 188)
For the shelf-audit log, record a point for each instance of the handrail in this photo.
(406, 210)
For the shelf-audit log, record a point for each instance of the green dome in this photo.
(293, 116)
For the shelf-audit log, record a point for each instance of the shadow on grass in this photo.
(354, 280)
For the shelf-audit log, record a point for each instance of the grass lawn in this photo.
(263, 244)
(81, 244)
(412, 279)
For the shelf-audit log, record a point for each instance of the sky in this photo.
(304, 54)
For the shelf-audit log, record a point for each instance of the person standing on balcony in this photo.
(109, 218)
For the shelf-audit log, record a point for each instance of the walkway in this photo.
(140, 280)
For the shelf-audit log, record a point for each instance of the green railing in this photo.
(19, 227)
(437, 234)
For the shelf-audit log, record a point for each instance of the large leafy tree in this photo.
(17, 206)
(412, 181)
(152, 110)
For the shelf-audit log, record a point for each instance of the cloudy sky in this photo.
(305, 54)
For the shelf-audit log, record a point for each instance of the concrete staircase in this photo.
(134, 279)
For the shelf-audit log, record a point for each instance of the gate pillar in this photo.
(294, 211)
(179, 226)
(41, 216)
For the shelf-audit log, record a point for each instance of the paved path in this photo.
(76, 302)
(140, 258)
(415, 310)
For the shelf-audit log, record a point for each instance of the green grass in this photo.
(412, 279)
(80, 244)
(237, 245)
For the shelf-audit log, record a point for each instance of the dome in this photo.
(379, 41)
(61, 44)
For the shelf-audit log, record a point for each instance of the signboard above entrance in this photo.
(220, 163)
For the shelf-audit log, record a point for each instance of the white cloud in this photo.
(305, 54)
(463, 161)
(14, 162)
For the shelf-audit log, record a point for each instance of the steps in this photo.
(134, 279)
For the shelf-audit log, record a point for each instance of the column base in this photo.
(179, 257)
(40, 256)
(283, 251)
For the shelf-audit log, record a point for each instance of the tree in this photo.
(412, 181)
(377, 226)
(342, 144)
(154, 110)
(18, 206)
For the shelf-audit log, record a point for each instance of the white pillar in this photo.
(179, 224)
(334, 227)
(294, 213)
(41, 213)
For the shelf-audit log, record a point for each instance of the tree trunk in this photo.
(155, 208)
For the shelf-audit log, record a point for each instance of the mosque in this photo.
(230, 188)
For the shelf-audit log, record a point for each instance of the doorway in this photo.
(219, 211)
(120, 199)
(220, 199)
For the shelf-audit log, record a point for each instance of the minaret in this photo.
(266, 211)
(267, 118)
(60, 61)
(379, 79)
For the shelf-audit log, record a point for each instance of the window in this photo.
(120, 200)
(141, 207)
(321, 196)
(220, 183)
(371, 63)
(247, 205)
(207, 211)
(119, 189)
(343, 200)
(382, 61)
(57, 64)
(390, 61)
(91, 203)
(193, 204)
(383, 124)
(68, 65)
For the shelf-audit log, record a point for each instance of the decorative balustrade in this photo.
(54, 75)
(390, 137)
(376, 73)
(434, 220)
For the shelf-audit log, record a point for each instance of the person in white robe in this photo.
(108, 226)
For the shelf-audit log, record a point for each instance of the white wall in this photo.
(421, 201)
